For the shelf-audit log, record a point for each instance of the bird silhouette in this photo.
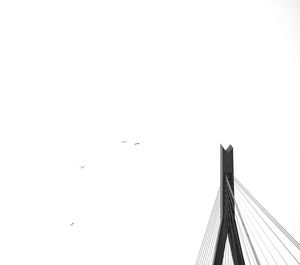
(124, 142)
(72, 224)
(82, 167)
(136, 143)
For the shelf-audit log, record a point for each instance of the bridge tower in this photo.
(228, 228)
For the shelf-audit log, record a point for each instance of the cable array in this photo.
(205, 253)
(263, 240)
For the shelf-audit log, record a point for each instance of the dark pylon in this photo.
(228, 227)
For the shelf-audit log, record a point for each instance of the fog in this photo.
(180, 78)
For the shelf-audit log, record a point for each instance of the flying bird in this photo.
(136, 143)
(72, 224)
(82, 167)
(124, 142)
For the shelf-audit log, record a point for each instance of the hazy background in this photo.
(181, 78)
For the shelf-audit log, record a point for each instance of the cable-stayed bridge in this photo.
(240, 230)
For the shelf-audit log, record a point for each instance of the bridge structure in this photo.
(240, 230)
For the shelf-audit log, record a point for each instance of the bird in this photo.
(136, 143)
(124, 142)
(82, 167)
(72, 224)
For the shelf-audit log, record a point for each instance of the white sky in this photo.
(181, 78)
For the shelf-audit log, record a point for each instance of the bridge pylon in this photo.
(228, 228)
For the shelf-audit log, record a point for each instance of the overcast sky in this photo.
(180, 78)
